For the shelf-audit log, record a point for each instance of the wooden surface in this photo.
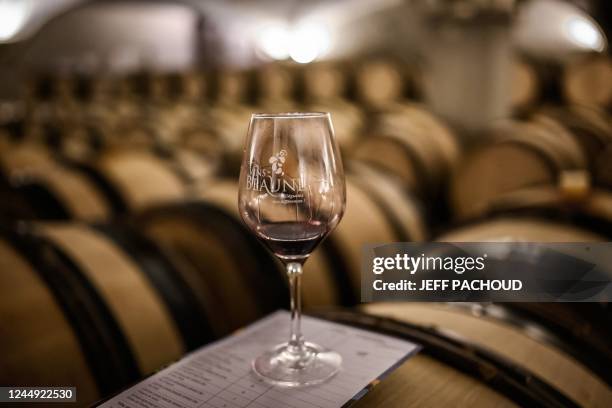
(82, 200)
(141, 179)
(211, 270)
(549, 363)
(38, 343)
(135, 304)
(424, 382)
(519, 228)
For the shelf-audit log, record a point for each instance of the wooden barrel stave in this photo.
(549, 363)
(530, 229)
(121, 296)
(106, 350)
(164, 273)
(587, 126)
(207, 240)
(525, 154)
(426, 382)
(392, 156)
(77, 197)
(140, 179)
(402, 208)
(138, 309)
(357, 229)
(49, 189)
(414, 146)
(32, 347)
(585, 216)
(503, 382)
(544, 215)
(587, 81)
(525, 83)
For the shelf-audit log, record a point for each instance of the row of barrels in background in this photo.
(170, 109)
(370, 82)
(547, 145)
(566, 148)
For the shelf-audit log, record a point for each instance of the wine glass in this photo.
(292, 195)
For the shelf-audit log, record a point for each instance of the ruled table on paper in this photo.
(219, 375)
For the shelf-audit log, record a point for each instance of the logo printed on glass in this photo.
(272, 180)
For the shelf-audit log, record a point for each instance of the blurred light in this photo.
(304, 43)
(13, 16)
(585, 33)
(273, 39)
(308, 41)
(557, 29)
(303, 47)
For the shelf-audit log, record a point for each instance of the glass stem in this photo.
(294, 273)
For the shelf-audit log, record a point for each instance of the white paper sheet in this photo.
(219, 375)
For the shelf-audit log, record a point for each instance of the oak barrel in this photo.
(546, 215)
(412, 145)
(136, 179)
(325, 87)
(524, 154)
(588, 81)
(232, 275)
(528, 348)
(115, 308)
(37, 186)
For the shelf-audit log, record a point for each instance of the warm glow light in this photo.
(585, 33)
(308, 41)
(304, 43)
(303, 48)
(13, 15)
(273, 39)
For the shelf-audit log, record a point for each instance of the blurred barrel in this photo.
(588, 81)
(190, 164)
(370, 217)
(36, 186)
(546, 215)
(590, 127)
(324, 81)
(115, 308)
(192, 87)
(525, 87)
(230, 116)
(136, 179)
(275, 86)
(527, 228)
(380, 84)
(61, 193)
(16, 157)
(233, 276)
(603, 168)
(33, 348)
(413, 146)
(539, 361)
(549, 215)
(187, 147)
(523, 154)
(325, 87)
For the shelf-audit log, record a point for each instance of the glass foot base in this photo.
(290, 366)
